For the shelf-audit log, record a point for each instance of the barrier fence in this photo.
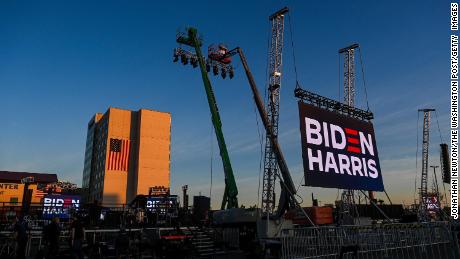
(428, 240)
(100, 243)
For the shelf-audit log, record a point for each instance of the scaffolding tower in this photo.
(349, 73)
(273, 106)
(425, 151)
(348, 199)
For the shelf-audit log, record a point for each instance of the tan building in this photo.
(12, 189)
(127, 153)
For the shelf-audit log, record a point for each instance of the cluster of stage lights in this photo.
(187, 57)
(217, 67)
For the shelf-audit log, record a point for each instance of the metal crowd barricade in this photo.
(7, 246)
(429, 240)
(94, 237)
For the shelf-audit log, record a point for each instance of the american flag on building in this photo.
(118, 154)
(39, 193)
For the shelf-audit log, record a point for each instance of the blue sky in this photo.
(62, 61)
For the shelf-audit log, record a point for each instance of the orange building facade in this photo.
(127, 153)
(12, 189)
(11, 193)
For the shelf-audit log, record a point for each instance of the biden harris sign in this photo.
(61, 206)
(338, 151)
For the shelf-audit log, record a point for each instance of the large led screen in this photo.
(338, 151)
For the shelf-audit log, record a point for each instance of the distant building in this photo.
(12, 190)
(127, 153)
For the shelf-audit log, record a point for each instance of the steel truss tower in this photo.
(348, 199)
(273, 106)
(349, 73)
(425, 151)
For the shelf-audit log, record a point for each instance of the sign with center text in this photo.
(161, 204)
(61, 206)
(338, 151)
(431, 202)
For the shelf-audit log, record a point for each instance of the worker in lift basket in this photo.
(222, 51)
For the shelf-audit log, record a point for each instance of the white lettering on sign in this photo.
(336, 137)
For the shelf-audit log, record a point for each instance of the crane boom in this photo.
(230, 199)
(288, 190)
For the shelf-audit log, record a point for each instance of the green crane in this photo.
(230, 199)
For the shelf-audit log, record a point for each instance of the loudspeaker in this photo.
(445, 163)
